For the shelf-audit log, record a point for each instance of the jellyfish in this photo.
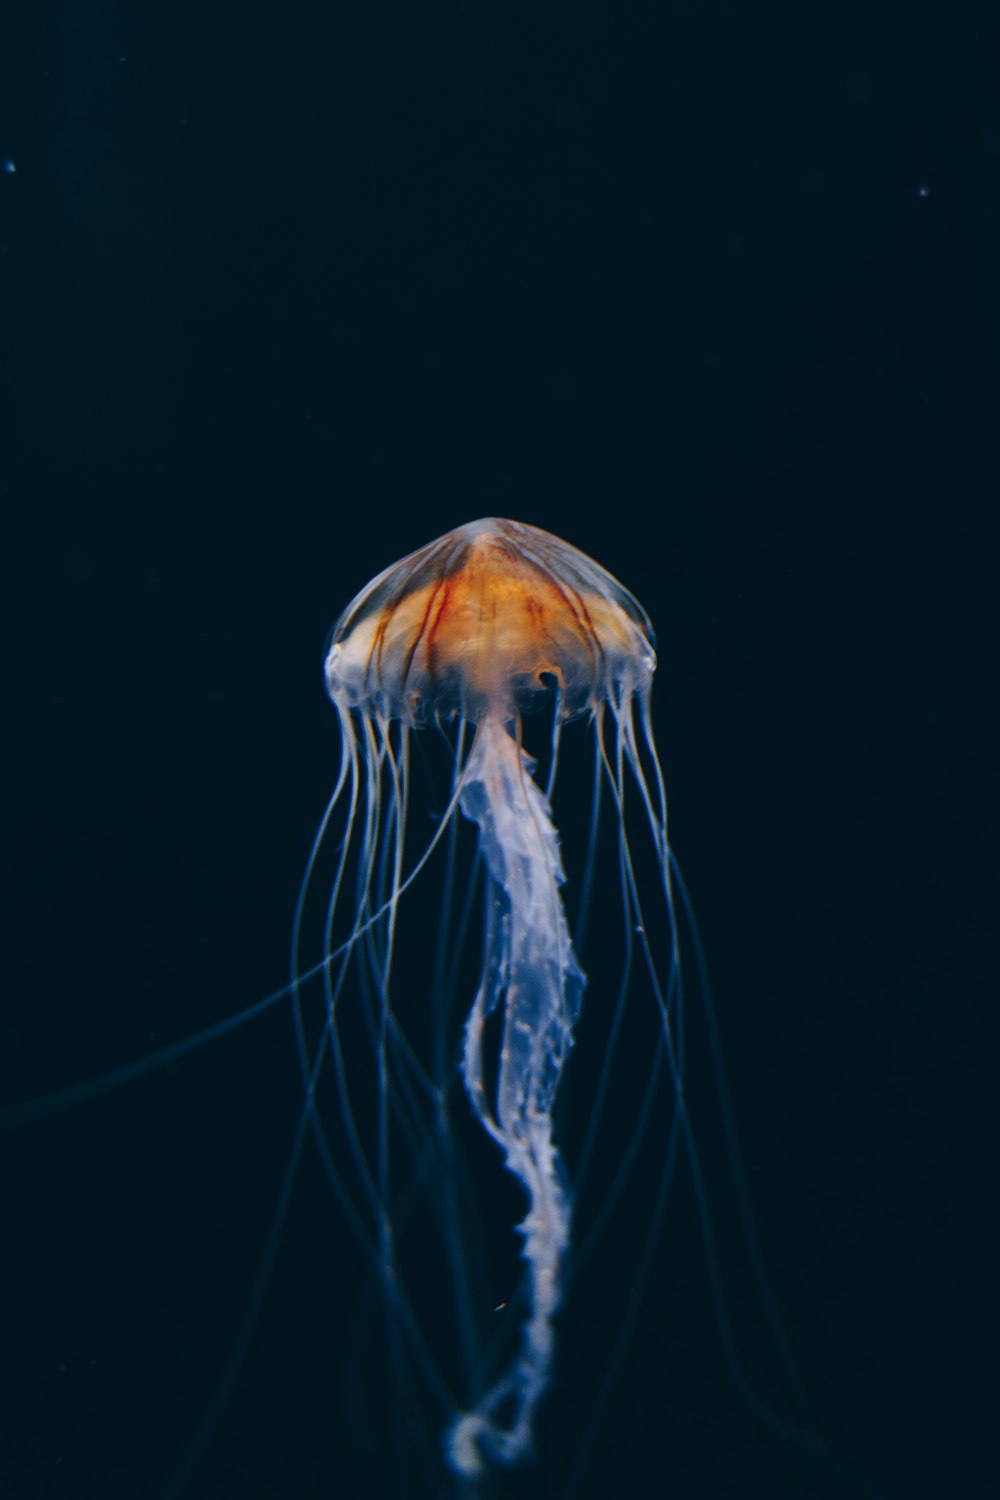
(467, 636)
(477, 1103)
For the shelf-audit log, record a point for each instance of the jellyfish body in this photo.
(489, 622)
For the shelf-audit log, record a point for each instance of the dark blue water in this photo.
(708, 290)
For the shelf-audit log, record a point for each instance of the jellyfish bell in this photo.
(482, 622)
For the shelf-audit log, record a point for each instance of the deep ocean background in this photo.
(710, 290)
